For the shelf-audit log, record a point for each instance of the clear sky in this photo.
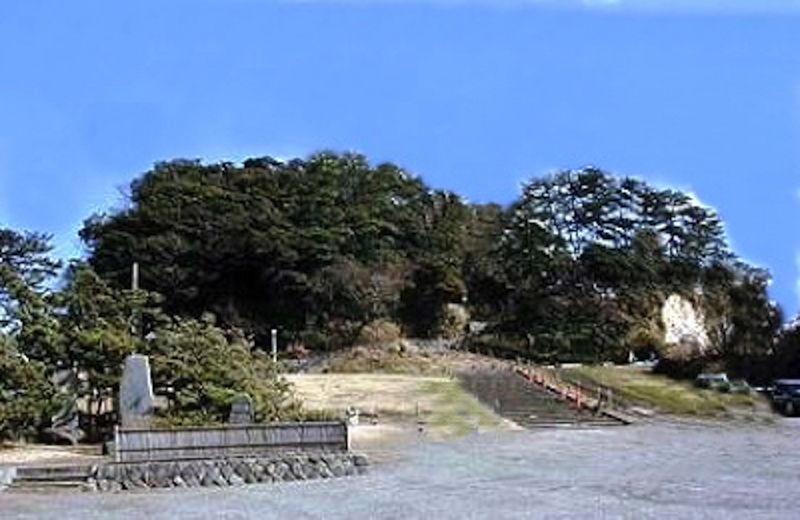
(474, 96)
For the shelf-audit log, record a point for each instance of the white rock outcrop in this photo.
(684, 324)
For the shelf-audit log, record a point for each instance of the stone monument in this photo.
(136, 392)
(65, 424)
(241, 410)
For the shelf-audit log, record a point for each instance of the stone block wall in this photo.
(226, 472)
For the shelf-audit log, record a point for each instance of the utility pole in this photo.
(137, 313)
(274, 345)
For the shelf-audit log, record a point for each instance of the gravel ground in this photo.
(656, 470)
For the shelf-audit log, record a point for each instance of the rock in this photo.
(218, 477)
(191, 475)
(107, 472)
(162, 475)
(310, 470)
(241, 410)
(336, 469)
(213, 477)
(246, 471)
(298, 469)
(258, 469)
(684, 327)
(206, 480)
(226, 470)
(323, 470)
(281, 469)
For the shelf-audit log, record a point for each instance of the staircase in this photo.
(35, 478)
(513, 397)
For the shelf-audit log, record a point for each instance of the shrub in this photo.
(201, 369)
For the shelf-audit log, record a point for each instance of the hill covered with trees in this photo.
(577, 268)
(579, 264)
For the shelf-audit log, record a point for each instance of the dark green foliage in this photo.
(591, 258)
(201, 368)
(276, 244)
(25, 264)
(576, 269)
(433, 285)
(97, 331)
(746, 331)
(89, 327)
(320, 247)
(487, 287)
(27, 398)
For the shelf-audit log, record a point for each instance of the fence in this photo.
(229, 441)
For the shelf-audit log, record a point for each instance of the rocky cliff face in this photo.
(685, 327)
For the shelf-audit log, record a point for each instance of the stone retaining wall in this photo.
(226, 472)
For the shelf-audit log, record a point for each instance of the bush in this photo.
(201, 369)
(27, 398)
(378, 331)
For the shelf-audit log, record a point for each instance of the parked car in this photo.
(721, 383)
(785, 395)
(718, 382)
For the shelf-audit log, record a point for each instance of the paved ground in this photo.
(649, 471)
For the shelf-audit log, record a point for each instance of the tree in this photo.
(586, 252)
(746, 323)
(25, 266)
(98, 329)
(487, 288)
(260, 245)
(27, 398)
(201, 368)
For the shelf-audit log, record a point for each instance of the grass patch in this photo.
(454, 411)
(441, 403)
(643, 388)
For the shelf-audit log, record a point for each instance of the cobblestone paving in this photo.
(638, 472)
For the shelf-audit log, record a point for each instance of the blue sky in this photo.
(474, 96)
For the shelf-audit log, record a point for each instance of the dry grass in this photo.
(368, 360)
(400, 402)
(643, 388)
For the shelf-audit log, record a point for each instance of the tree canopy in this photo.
(575, 269)
(273, 244)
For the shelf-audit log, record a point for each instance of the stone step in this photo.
(52, 485)
(539, 418)
(570, 425)
(531, 406)
(59, 473)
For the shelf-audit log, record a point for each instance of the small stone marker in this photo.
(136, 391)
(352, 416)
(241, 410)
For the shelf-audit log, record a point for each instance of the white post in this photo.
(135, 277)
(274, 345)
